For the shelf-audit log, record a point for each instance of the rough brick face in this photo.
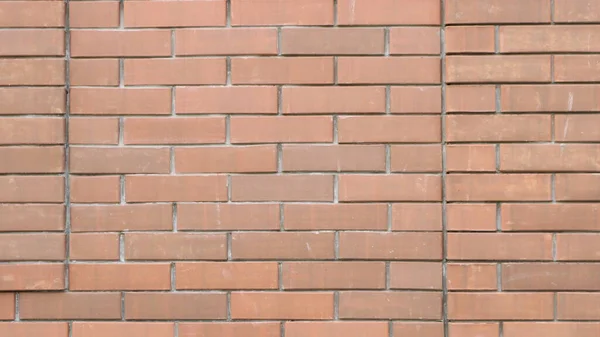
(300, 168)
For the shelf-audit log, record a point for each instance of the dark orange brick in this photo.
(333, 158)
(226, 275)
(119, 276)
(412, 305)
(282, 305)
(174, 13)
(282, 12)
(388, 12)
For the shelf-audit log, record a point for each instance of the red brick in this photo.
(416, 275)
(577, 247)
(28, 42)
(550, 217)
(282, 70)
(25, 329)
(281, 129)
(182, 130)
(121, 218)
(548, 39)
(117, 276)
(125, 43)
(321, 100)
(390, 246)
(577, 187)
(473, 276)
(93, 14)
(282, 188)
(229, 329)
(230, 100)
(420, 329)
(46, 189)
(282, 246)
(416, 158)
(38, 130)
(577, 68)
(333, 158)
(549, 157)
(94, 246)
(332, 41)
(180, 71)
(98, 189)
(60, 306)
(415, 40)
(409, 99)
(470, 98)
(328, 329)
(414, 187)
(32, 277)
(120, 101)
(175, 306)
(393, 129)
(471, 217)
(577, 128)
(497, 11)
(333, 275)
(499, 246)
(551, 329)
(23, 218)
(498, 68)
(167, 188)
(32, 71)
(498, 128)
(389, 70)
(32, 14)
(174, 13)
(123, 329)
(388, 12)
(493, 187)
(500, 306)
(550, 276)
(557, 97)
(89, 189)
(32, 100)
(282, 12)
(469, 39)
(226, 275)
(119, 160)
(217, 217)
(416, 217)
(32, 247)
(175, 246)
(30, 159)
(93, 130)
(239, 159)
(471, 158)
(335, 216)
(94, 72)
(577, 306)
(280, 305)
(229, 41)
(474, 329)
(7, 306)
(576, 10)
(413, 305)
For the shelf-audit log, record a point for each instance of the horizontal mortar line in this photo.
(236, 27)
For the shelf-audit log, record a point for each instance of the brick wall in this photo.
(300, 168)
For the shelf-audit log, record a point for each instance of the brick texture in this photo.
(300, 168)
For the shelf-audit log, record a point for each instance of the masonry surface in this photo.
(300, 168)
